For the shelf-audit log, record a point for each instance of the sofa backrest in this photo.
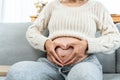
(118, 54)
(13, 44)
(14, 48)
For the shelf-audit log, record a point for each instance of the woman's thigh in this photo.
(89, 69)
(30, 70)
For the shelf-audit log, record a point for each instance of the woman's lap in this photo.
(88, 69)
(31, 70)
(45, 70)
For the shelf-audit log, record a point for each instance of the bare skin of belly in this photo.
(65, 52)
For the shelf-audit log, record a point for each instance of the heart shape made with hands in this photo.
(63, 52)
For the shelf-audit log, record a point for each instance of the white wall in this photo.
(21, 10)
(113, 6)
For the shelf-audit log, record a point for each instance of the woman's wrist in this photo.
(46, 43)
(85, 42)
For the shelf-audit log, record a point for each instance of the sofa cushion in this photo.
(108, 62)
(13, 44)
(118, 26)
(118, 60)
(111, 77)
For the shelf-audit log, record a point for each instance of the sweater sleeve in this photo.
(109, 40)
(34, 33)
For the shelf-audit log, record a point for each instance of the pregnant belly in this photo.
(64, 53)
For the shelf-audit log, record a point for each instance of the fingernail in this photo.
(62, 65)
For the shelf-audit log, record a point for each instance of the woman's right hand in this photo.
(51, 54)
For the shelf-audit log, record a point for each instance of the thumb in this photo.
(69, 45)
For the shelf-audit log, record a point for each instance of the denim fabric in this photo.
(88, 69)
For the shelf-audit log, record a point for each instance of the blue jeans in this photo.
(88, 69)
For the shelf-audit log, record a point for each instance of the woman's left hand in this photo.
(79, 52)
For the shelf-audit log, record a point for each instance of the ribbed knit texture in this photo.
(82, 22)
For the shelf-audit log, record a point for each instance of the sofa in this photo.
(14, 48)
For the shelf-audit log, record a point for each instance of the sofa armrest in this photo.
(4, 70)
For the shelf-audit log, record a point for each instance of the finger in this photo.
(60, 45)
(56, 56)
(55, 61)
(70, 57)
(71, 62)
(69, 45)
(74, 61)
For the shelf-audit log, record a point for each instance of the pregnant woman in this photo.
(71, 43)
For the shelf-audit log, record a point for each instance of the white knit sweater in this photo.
(82, 22)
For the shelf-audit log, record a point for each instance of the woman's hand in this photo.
(51, 54)
(79, 52)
